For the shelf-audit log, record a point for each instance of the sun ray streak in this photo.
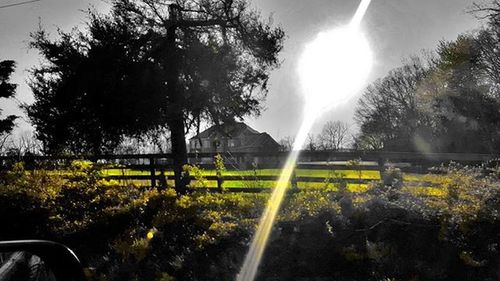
(360, 13)
(252, 259)
(261, 236)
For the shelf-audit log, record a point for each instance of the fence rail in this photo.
(157, 165)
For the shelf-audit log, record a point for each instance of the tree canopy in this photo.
(387, 112)
(7, 90)
(447, 102)
(112, 79)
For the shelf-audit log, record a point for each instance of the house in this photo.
(236, 137)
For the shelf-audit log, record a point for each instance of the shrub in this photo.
(355, 164)
(335, 181)
(74, 205)
(219, 170)
(255, 182)
(392, 176)
(199, 179)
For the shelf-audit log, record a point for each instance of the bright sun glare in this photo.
(334, 67)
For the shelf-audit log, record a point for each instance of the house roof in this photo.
(258, 140)
(230, 130)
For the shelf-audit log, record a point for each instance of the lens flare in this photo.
(252, 259)
(332, 69)
(360, 13)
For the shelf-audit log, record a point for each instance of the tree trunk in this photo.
(175, 115)
(179, 152)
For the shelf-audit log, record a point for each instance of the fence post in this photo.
(219, 183)
(152, 171)
(381, 166)
(163, 179)
(293, 178)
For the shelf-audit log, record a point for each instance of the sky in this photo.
(395, 29)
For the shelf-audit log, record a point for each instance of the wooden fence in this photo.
(157, 166)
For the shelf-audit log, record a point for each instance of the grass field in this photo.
(355, 180)
(423, 183)
(347, 174)
(344, 174)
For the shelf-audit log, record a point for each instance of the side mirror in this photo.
(38, 260)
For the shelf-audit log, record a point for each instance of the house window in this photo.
(232, 143)
(216, 143)
(206, 143)
(195, 144)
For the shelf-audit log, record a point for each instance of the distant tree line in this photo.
(334, 136)
(448, 101)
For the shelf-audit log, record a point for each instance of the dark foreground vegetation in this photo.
(386, 233)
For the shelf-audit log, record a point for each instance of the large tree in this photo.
(93, 90)
(7, 90)
(150, 63)
(488, 43)
(457, 105)
(388, 112)
(446, 105)
(465, 113)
